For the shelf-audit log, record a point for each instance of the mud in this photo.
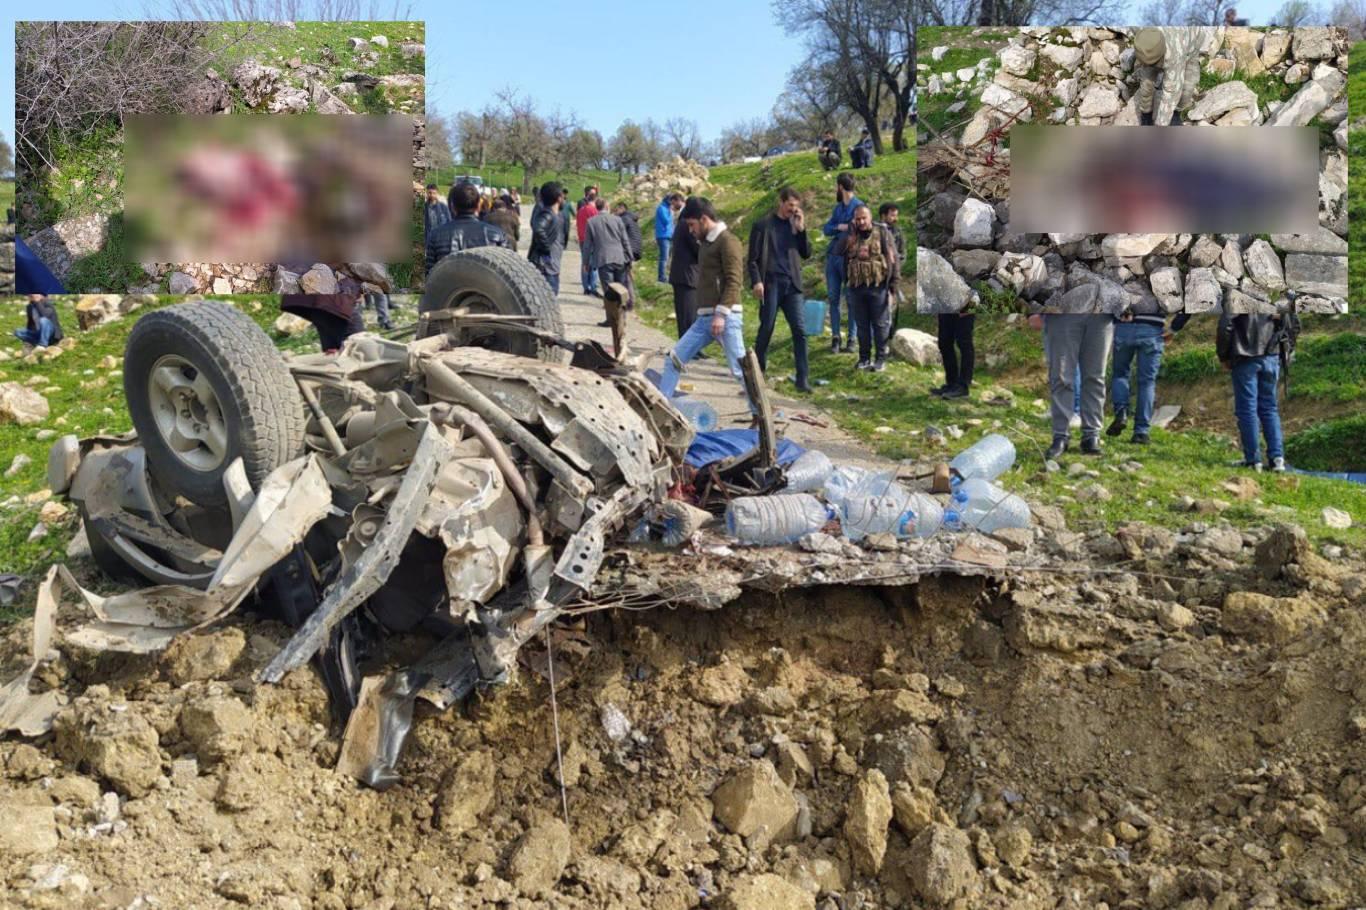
(1145, 726)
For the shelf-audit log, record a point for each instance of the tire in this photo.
(221, 390)
(495, 280)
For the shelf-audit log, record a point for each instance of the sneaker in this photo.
(940, 390)
(1277, 466)
(1140, 439)
(806, 389)
(1090, 445)
(1250, 465)
(835, 345)
(606, 323)
(1074, 422)
(863, 365)
(1057, 448)
(957, 391)
(1117, 425)
(879, 366)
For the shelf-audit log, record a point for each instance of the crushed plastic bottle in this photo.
(701, 415)
(772, 520)
(809, 472)
(841, 481)
(980, 505)
(879, 505)
(988, 458)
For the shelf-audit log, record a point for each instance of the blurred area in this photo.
(260, 188)
(1129, 179)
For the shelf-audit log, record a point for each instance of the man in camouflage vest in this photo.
(870, 268)
(1175, 53)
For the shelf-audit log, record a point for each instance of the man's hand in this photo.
(798, 221)
(758, 289)
(718, 324)
(1036, 321)
(1227, 365)
(842, 227)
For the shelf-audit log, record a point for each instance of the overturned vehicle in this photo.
(465, 484)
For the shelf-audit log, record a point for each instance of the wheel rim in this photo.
(492, 339)
(187, 412)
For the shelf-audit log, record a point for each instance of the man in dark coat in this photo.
(683, 269)
(465, 231)
(549, 234)
(777, 246)
(43, 328)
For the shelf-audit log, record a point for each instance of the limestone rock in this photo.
(180, 283)
(941, 864)
(1024, 273)
(1166, 286)
(465, 793)
(1202, 291)
(98, 309)
(290, 324)
(62, 244)
(866, 821)
(1321, 241)
(1324, 276)
(1275, 45)
(755, 799)
(22, 405)
(207, 655)
(217, 726)
(974, 223)
(1264, 265)
(939, 289)
(913, 807)
(1261, 617)
(538, 860)
(1065, 57)
(120, 747)
(1312, 43)
(1309, 101)
(1099, 101)
(766, 892)
(318, 280)
(917, 347)
(1016, 59)
(29, 826)
(1336, 518)
(256, 82)
(975, 263)
(1244, 43)
(1221, 99)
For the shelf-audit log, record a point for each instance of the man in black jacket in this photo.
(465, 231)
(777, 246)
(1249, 348)
(43, 328)
(632, 223)
(683, 268)
(549, 234)
(829, 151)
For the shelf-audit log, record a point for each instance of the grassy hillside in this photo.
(1356, 175)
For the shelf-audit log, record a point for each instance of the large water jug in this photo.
(880, 505)
(701, 415)
(772, 520)
(841, 481)
(988, 458)
(808, 473)
(980, 505)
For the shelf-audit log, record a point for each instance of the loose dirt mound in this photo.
(1181, 728)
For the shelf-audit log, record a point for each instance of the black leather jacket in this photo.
(463, 232)
(1240, 337)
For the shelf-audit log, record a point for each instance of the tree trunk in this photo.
(899, 133)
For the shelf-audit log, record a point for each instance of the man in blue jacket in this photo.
(838, 225)
(666, 215)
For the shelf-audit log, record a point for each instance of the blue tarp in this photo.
(30, 275)
(1353, 477)
(708, 448)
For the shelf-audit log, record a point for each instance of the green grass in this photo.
(1356, 178)
(1333, 445)
(1329, 366)
(236, 42)
(510, 175)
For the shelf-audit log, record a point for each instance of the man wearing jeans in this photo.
(1139, 340)
(666, 215)
(1069, 341)
(838, 225)
(1249, 347)
(721, 271)
(42, 329)
(777, 246)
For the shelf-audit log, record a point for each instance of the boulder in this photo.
(1312, 43)
(966, 74)
(1202, 291)
(288, 100)
(1309, 101)
(539, 858)
(379, 41)
(1016, 59)
(410, 49)
(97, 309)
(975, 263)
(939, 289)
(60, 245)
(257, 83)
(1065, 91)
(1205, 252)
(1244, 42)
(1264, 266)
(30, 825)
(917, 347)
(374, 272)
(1296, 73)
(755, 799)
(913, 807)
(1336, 518)
(1231, 259)
(937, 53)
(325, 101)
(318, 280)
(289, 324)
(766, 892)
(974, 224)
(1166, 287)
(465, 793)
(1099, 101)
(1323, 276)
(1275, 45)
(866, 820)
(1129, 249)
(180, 283)
(22, 405)
(359, 45)
(1023, 272)
(1064, 56)
(941, 865)
(1221, 99)
(1261, 617)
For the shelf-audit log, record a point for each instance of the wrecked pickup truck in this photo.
(464, 484)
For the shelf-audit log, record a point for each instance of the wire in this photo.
(555, 714)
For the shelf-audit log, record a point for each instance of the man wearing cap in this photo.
(1175, 52)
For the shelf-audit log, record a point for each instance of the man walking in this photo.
(1070, 340)
(587, 209)
(1139, 341)
(721, 271)
(683, 269)
(1249, 347)
(607, 247)
(666, 215)
(549, 234)
(777, 246)
(465, 231)
(840, 219)
(436, 212)
(869, 262)
(1175, 52)
(42, 328)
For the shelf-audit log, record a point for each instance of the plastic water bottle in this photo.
(841, 481)
(880, 505)
(988, 458)
(809, 472)
(771, 520)
(701, 415)
(980, 505)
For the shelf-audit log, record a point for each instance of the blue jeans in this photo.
(1076, 399)
(1137, 340)
(695, 339)
(1254, 402)
(834, 283)
(779, 294)
(664, 244)
(589, 277)
(41, 338)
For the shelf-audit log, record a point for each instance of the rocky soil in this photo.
(1159, 720)
(1085, 75)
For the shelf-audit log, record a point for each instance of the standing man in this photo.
(436, 212)
(607, 247)
(683, 269)
(870, 262)
(465, 231)
(888, 215)
(1175, 52)
(777, 246)
(666, 215)
(586, 210)
(1249, 348)
(504, 217)
(840, 219)
(829, 151)
(721, 272)
(1139, 340)
(549, 234)
(637, 247)
(42, 328)
(1070, 340)
(955, 330)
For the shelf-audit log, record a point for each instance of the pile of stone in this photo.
(1088, 74)
(678, 174)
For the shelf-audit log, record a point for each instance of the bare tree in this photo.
(834, 31)
(523, 135)
(746, 138)
(683, 137)
(629, 148)
(280, 10)
(1018, 12)
(1351, 15)
(806, 108)
(439, 149)
(475, 135)
(583, 150)
(6, 159)
(1297, 12)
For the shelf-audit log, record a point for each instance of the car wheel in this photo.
(498, 282)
